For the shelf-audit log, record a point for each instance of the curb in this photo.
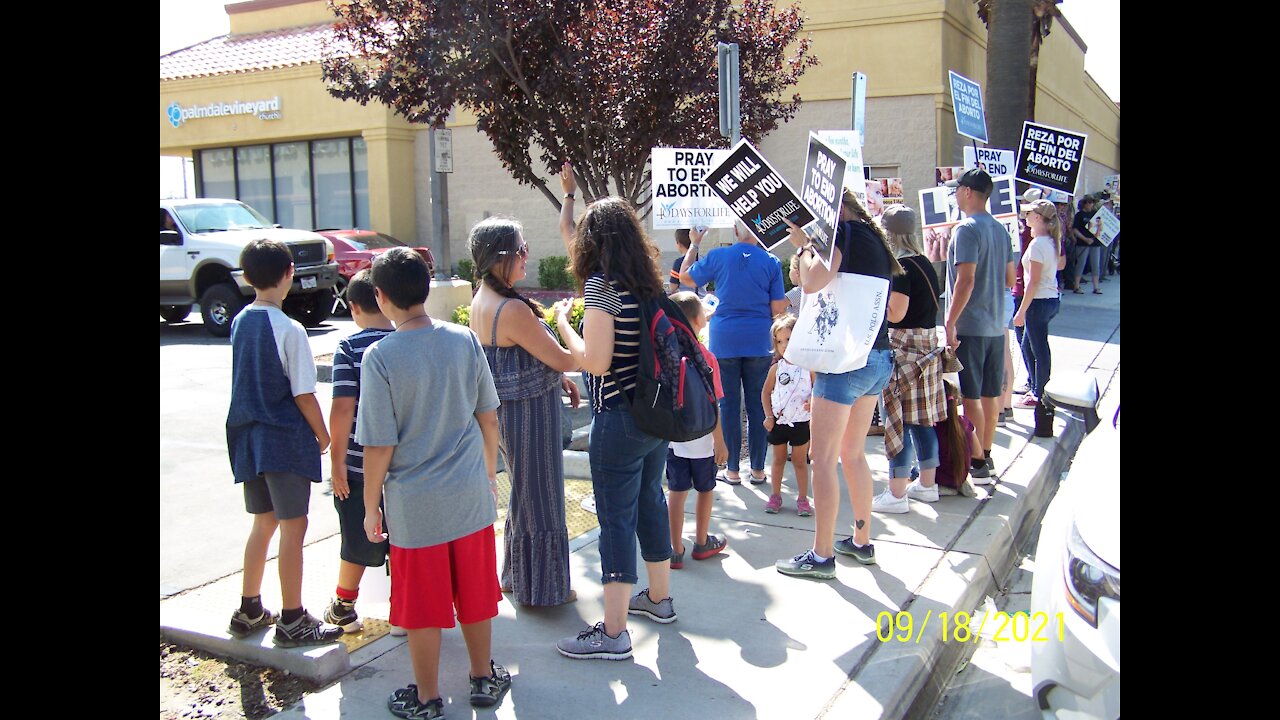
(906, 680)
(321, 664)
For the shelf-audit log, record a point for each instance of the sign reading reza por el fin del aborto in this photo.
(1050, 157)
(757, 194)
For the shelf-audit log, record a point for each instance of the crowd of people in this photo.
(421, 409)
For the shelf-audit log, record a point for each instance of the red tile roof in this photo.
(230, 54)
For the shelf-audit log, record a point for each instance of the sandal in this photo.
(759, 480)
(1077, 291)
(1097, 292)
(723, 476)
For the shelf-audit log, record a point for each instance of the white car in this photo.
(1076, 671)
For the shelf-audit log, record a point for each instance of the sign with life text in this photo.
(993, 162)
(680, 198)
(849, 144)
(1105, 226)
(821, 191)
(966, 98)
(1050, 157)
(939, 215)
(757, 194)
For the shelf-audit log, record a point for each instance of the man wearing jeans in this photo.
(979, 272)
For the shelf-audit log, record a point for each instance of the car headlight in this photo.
(328, 250)
(1089, 579)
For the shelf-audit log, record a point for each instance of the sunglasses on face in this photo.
(522, 251)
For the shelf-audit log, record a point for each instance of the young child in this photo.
(693, 464)
(673, 282)
(427, 420)
(956, 431)
(785, 397)
(347, 456)
(275, 434)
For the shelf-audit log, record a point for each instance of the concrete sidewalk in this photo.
(749, 641)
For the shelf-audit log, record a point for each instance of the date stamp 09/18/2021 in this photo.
(968, 627)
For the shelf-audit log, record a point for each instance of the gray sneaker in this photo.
(595, 643)
(865, 554)
(804, 565)
(306, 630)
(662, 612)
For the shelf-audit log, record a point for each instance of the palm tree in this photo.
(1013, 60)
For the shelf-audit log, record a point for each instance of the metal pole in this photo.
(439, 211)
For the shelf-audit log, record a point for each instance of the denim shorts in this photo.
(627, 466)
(846, 388)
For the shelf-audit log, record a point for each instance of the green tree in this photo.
(595, 82)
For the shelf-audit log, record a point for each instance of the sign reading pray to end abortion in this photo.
(757, 194)
(821, 192)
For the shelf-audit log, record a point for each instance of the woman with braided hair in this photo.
(527, 365)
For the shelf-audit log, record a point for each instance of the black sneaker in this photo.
(487, 691)
(306, 630)
(343, 614)
(404, 703)
(865, 554)
(242, 625)
(980, 472)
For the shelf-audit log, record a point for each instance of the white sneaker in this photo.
(397, 631)
(916, 491)
(885, 502)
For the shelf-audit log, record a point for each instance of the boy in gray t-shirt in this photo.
(427, 420)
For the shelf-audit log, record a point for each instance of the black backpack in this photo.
(674, 397)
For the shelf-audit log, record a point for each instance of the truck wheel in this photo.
(310, 309)
(340, 305)
(218, 306)
(174, 313)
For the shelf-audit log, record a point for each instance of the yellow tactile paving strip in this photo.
(373, 629)
(578, 520)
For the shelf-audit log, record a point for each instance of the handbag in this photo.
(950, 363)
(839, 324)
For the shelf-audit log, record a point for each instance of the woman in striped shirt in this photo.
(618, 266)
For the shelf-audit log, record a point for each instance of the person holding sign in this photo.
(1087, 246)
(1040, 300)
(843, 402)
(749, 284)
(979, 273)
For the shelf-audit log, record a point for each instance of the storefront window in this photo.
(293, 185)
(360, 160)
(218, 173)
(331, 167)
(253, 173)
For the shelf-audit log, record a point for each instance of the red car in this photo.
(354, 251)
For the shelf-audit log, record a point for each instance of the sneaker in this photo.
(660, 612)
(712, 546)
(397, 631)
(1000, 419)
(306, 630)
(1021, 390)
(595, 643)
(773, 505)
(982, 472)
(242, 625)
(944, 490)
(803, 508)
(1007, 415)
(967, 489)
(343, 614)
(404, 703)
(865, 554)
(677, 560)
(885, 502)
(1026, 401)
(589, 504)
(759, 480)
(916, 491)
(487, 691)
(804, 565)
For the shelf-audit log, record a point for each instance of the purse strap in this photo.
(933, 292)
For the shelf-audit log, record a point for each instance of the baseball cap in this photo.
(900, 220)
(1029, 198)
(974, 178)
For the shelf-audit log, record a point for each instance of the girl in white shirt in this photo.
(1040, 300)
(787, 390)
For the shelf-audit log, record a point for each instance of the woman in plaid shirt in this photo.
(914, 399)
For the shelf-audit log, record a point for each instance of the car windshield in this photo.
(220, 217)
(372, 241)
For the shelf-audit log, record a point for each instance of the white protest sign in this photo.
(994, 162)
(849, 144)
(680, 198)
(939, 215)
(1105, 226)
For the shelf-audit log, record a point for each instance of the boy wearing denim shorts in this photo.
(692, 465)
(347, 455)
(275, 434)
(427, 420)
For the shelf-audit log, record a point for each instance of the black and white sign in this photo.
(993, 162)
(757, 194)
(680, 198)
(1050, 157)
(821, 191)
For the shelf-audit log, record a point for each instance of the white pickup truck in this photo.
(200, 245)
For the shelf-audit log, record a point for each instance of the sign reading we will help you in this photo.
(757, 194)
(966, 98)
(680, 198)
(1050, 157)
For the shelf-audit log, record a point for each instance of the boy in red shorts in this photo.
(427, 420)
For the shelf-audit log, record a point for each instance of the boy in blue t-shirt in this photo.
(347, 455)
(275, 434)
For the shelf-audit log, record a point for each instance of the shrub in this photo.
(553, 273)
(462, 315)
(575, 317)
(467, 271)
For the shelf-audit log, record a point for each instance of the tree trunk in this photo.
(1008, 71)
